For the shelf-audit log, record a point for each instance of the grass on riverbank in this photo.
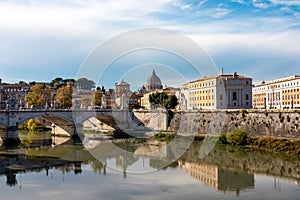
(164, 136)
(278, 145)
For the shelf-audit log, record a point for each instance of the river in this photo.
(45, 167)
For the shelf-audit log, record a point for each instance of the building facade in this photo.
(13, 95)
(283, 93)
(217, 92)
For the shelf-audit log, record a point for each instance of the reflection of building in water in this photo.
(220, 179)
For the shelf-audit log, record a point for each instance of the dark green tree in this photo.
(162, 99)
(84, 84)
(172, 102)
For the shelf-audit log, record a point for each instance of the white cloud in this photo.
(259, 4)
(72, 17)
(220, 12)
(182, 6)
(238, 1)
(286, 2)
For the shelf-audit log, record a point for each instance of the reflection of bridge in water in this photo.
(221, 169)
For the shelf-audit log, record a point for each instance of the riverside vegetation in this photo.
(276, 145)
(242, 138)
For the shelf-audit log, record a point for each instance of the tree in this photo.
(56, 83)
(35, 96)
(98, 98)
(162, 99)
(84, 84)
(172, 102)
(64, 97)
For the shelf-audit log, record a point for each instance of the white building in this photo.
(217, 92)
(283, 93)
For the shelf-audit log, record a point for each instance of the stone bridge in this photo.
(69, 120)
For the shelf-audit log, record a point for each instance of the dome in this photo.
(153, 82)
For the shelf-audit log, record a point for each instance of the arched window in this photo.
(234, 96)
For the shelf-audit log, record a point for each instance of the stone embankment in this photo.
(277, 123)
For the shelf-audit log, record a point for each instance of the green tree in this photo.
(84, 84)
(154, 98)
(172, 102)
(162, 99)
(64, 97)
(35, 96)
(56, 83)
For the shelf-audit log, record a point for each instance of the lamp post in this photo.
(53, 126)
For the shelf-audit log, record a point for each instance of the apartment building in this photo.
(217, 92)
(283, 93)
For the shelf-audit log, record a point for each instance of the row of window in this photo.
(200, 98)
(15, 90)
(202, 104)
(290, 97)
(211, 83)
(202, 92)
(292, 90)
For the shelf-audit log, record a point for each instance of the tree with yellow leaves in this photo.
(64, 97)
(35, 96)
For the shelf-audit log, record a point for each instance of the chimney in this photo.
(222, 71)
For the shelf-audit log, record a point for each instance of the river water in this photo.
(43, 167)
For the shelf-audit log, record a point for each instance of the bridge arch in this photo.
(61, 121)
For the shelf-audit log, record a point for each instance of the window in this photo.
(221, 97)
(247, 96)
(234, 96)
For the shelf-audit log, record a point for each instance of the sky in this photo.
(42, 40)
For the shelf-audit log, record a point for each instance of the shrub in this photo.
(238, 137)
(222, 139)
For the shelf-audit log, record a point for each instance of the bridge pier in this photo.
(11, 136)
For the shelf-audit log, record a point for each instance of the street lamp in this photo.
(53, 126)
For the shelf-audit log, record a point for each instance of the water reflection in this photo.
(218, 178)
(226, 169)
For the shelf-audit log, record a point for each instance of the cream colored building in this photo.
(283, 93)
(217, 92)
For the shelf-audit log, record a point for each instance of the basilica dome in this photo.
(153, 82)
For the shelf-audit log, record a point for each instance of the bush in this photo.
(222, 139)
(237, 137)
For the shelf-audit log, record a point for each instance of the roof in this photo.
(234, 76)
(154, 79)
(280, 80)
(123, 83)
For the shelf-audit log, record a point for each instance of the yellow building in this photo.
(281, 93)
(217, 92)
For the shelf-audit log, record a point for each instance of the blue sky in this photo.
(41, 40)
